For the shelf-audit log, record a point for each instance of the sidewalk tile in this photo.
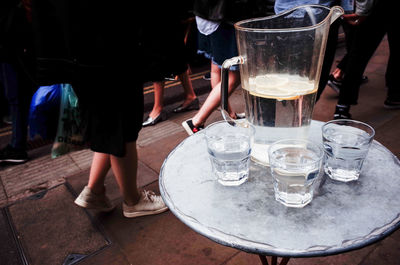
(386, 252)
(110, 255)
(52, 227)
(154, 154)
(162, 239)
(8, 249)
(36, 175)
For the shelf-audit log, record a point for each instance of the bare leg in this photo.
(214, 98)
(187, 88)
(158, 99)
(125, 171)
(216, 80)
(98, 171)
(215, 75)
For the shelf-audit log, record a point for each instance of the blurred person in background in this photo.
(168, 56)
(97, 47)
(16, 73)
(217, 42)
(371, 26)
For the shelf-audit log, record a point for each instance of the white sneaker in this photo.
(87, 199)
(149, 203)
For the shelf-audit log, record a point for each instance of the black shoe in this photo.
(13, 155)
(335, 84)
(150, 121)
(207, 76)
(391, 104)
(342, 112)
(364, 79)
(190, 128)
(171, 78)
(7, 119)
(194, 105)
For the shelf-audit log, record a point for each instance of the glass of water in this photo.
(346, 144)
(295, 166)
(229, 149)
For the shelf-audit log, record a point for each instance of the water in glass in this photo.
(230, 158)
(346, 149)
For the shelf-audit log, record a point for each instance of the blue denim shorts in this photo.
(219, 45)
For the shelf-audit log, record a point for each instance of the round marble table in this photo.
(342, 216)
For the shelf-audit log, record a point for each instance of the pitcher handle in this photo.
(225, 81)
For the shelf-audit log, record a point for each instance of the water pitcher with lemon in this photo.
(280, 60)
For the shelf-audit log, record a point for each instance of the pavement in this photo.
(39, 224)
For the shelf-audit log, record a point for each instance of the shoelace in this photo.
(149, 195)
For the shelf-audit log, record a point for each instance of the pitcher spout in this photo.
(336, 12)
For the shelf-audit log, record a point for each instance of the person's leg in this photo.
(100, 166)
(214, 98)
(93, 196)
(367, 37)
(215, 75)
(4, 109)
(329, 57)
(25, 91)
(12, 94)
(135, 204)
(158, 99)
(187, 88)
(393, 94)
(18, 94)
(125, 171)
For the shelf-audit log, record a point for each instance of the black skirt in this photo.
(112, 109)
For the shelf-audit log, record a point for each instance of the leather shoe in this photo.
(150, 121)
(194, 105)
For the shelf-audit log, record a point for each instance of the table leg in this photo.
(274, 260)
(284, 261)
(263, 259)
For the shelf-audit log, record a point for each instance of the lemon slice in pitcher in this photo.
(272, 85)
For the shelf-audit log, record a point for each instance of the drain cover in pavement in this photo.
(52, 230)
(9, 253)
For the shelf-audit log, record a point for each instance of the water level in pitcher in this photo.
(279, 106)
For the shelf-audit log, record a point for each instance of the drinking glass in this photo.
(295, 165)
(229, 149)
(346, 144)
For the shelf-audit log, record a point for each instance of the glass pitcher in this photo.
(280, 60)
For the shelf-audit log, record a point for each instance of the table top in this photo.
(340, 218)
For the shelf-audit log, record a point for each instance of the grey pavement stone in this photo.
(52, 227)
(3, 196)
(82, 158)
(35, 175)
(151, 134)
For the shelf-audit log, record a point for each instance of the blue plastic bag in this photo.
(43, 112)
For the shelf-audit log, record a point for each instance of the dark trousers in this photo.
(4, 109)
(349, 31)
(368, 36)
(18, 92)
(329, 57)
